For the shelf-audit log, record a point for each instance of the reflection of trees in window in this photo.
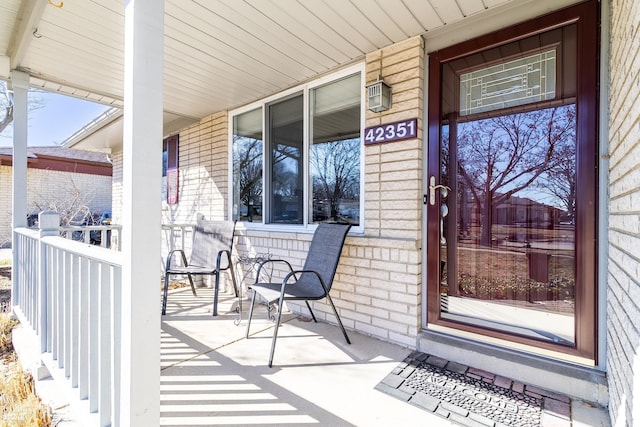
(500, 156)
(285, 170)
(336, 178)
(293, 171)
(560, 181)
(247, 168)
(285, 139)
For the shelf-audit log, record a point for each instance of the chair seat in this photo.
(294, 291)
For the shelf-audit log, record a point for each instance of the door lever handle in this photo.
(444, 190)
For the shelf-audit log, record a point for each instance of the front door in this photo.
(512, 174)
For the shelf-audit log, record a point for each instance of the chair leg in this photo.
(193, 288)
(237, 290)
(338, 319)
(233, 280)
(311, 311)
(215, 294)
(253, 300)
(275, 333)
(164, 294)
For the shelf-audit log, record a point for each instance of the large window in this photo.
(297, 158)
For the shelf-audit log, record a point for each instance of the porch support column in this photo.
(20, 86)
(142, 173)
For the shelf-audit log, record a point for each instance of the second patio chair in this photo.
(210, 255)
(313, 282)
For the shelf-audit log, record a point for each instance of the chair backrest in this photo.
(324, 252)
(210, 237)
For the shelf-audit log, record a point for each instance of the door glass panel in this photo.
(508, 238)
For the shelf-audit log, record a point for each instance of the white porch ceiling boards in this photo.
(220, 54)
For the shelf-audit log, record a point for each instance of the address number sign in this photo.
(404, 129)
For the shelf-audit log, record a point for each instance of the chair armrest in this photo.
(271, 261)
(219, 259)
(294, 274)
(170, 257)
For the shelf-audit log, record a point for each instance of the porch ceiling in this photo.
(219, 54)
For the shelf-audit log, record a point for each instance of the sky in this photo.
(59, 117)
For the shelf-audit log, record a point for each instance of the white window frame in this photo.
(262, 103)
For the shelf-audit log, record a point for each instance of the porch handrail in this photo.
(68, 293)
(84, 233)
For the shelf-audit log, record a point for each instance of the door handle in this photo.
(444, 190)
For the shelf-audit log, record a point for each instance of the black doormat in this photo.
(471, 397)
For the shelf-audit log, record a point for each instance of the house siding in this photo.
(623, 297)
(203, 165)
(48, 189)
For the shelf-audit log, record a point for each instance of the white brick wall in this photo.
(203, 181)
(393, 171)
(47, 189)
(6, 191)
(623, 299)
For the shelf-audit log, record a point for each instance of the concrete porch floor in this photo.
(212, 376)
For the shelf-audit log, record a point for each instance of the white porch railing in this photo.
(68, 293)
(107, 236)
(176, 236)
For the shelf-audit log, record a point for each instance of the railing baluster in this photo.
(66, 314)
(83, 334)
(104, 345)
(75, 319)
(94, 301)
(57, 308)
(116, 324)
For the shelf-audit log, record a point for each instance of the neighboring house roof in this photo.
(62, 159)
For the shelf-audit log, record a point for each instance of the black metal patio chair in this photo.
(311, 283)
(210, 255)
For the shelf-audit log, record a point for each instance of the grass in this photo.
(19, 404)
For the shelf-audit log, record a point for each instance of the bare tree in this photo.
(73, 207)
(500, 156)
(247, 165)
(336, 172)
(6, 106)
(560, 181)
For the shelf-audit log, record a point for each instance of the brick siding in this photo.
(48, 188)
(203, 165)
(623, 298)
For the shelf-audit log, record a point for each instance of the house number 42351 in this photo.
(404, 129)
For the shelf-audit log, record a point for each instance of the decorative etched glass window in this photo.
(508, 84)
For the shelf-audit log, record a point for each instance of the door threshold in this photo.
(584, 381)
